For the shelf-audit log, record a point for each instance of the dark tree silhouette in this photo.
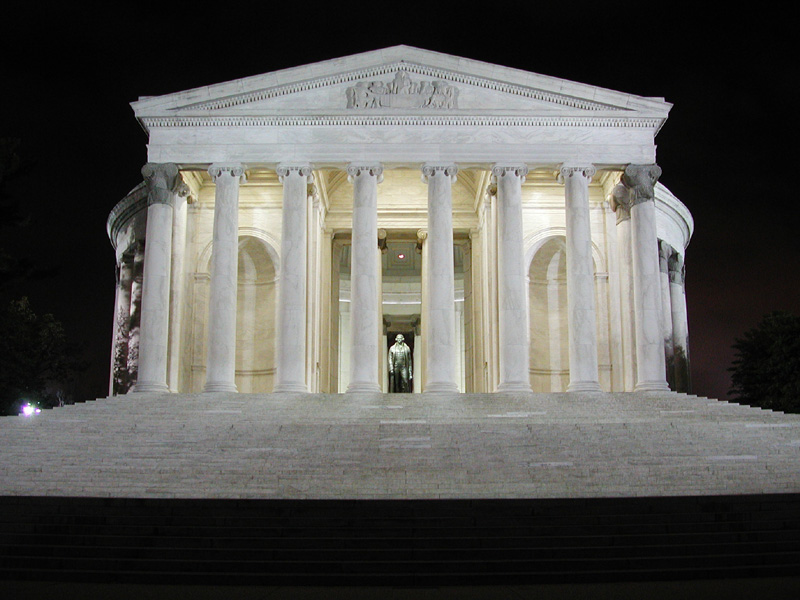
(35, 353)
(36, 361)
(766, 368)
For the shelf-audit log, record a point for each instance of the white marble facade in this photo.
(510, 225)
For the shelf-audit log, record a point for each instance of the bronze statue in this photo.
(400, 373)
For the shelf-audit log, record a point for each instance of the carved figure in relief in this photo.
(442, 95)
(359, 96)
(401, 92)
(401, 84)
(400, 367)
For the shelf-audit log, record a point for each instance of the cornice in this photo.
(132, 203)
(667, 203)
(401, 121)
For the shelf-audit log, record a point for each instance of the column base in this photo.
(651, 386)
(441, 388)
(144, 387)
(290, 387)
(584, 386)
(515, 387)
(357, 387)
(220, 386)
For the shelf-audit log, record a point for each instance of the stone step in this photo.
(462, 544)
(382, 549)
(748, 536)
(409, 446)
(443, 568)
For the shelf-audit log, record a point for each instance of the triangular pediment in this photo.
(401, 80)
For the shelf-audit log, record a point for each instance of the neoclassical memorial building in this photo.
(509, 225)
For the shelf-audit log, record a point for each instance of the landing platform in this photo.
(365, 446)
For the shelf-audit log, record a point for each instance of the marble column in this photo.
(581, 317)
(364, 275)
(491, 317)
(664, 252)
(314, 277)
(135, 316)
(161, 180)
(621, 204)
(609, 301)
(441, 351)
(680, 323)
(176, 297)
(122, 323)
(221, 365)
(512, 281)
(421, 343)
(290, 350)
(650, 364)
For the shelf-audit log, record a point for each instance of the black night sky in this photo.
(728, 150)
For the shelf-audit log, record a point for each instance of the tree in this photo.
(36, 361)
(766, 368)
(34, 353)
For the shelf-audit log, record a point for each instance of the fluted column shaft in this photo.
(581, 318)
(512, 294)
(290, 352)
(680, 325)
(135, 322)
(221, 366)
(177, 300)
(161, 180)
(441, 352)
(650, 363)
(621, 204)
(664, 252)
(122, 322)
(364, 276)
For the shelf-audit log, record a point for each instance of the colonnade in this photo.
(634, 201)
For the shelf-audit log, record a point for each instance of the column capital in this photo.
(181, 189)
(664, 251)
(356, 169)
(422, 235)
(621, 199)
(216, 171)
(641, 180)
(301, 169)
(569, 170)
(501, 170)
(430, 169)
(382, 235)
(491, 192)
(677, 270)
(162, 180)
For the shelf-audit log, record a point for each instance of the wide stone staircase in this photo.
(400, 446)
(398, 542)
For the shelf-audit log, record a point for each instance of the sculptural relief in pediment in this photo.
(402, 92)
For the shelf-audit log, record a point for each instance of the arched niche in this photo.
(256, 300)
(255, 317)
(547, 310)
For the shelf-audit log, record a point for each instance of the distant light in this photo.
(29, 410)
(401, 256)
